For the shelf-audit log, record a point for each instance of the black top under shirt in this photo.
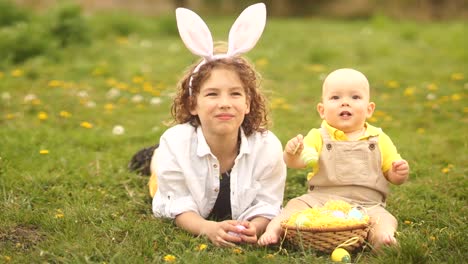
(222, 208)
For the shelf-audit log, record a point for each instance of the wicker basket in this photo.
(326, 239)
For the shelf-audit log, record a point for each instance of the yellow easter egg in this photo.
(340, 255)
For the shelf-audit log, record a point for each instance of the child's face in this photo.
(345, 103)
(222, 103)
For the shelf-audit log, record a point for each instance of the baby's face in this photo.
(345, 100)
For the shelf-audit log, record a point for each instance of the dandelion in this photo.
(409, 91)
(55, 83)
(456, 97)
(465, 109)
(137, 79)
(201, 247)
(42, 116)
(169, 258)
(86, 124)
(315, 68)
(1, 74)
(433, 238)
(237, 250)
(373, 119)
(408, 222)
(445, 170)
(420, 130)
(43, 151)
(97, 72)
(432, 87)
(118, 130)
(64, 114)
(262, 62)
(111, 82)
(269, 256)
(17, 73)
(7, 258)
(457, 76)
(393, 84)
(59, 214)
(109, 107)
(10, 116)
(122, 40)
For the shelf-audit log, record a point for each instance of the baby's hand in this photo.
(295, 145)
(399, 172)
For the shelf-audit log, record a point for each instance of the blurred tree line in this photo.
(408, 9)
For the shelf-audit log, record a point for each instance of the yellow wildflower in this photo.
(420, 130)
(59, 213)
(409, 91)
(393, 84)
(1, 74)
(408, 222)
(457, 76)
(17, 73)
(433, 238)
(456, 97)
(9, 116)
(237, 250)
(42, 116)
(109, 107)
(201, 247)
(7, 258)
(43, 151)
(261, 62)
(432, 87)
(65, 114)
(86, 124)
(269, 256)
(169, 258)
(137, 79)
(55, 83)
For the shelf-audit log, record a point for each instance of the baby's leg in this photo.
(273, 231)
(383, 228)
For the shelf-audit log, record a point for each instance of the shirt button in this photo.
(216, 189)
(215, 166)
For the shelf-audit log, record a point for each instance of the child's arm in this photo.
(399, 172)
(292, 152)
(217, 232)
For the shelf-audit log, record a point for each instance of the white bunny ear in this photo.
(194, 33)
(247, 29)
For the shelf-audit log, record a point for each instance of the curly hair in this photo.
(255, 120)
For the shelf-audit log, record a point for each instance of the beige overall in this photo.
(351, 171)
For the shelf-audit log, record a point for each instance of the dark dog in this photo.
(141, 161)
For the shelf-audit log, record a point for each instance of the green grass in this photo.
(78, 203)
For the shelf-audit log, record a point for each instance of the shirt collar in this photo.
(371, 131)
(203, 148)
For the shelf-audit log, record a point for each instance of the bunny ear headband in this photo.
(243, 35)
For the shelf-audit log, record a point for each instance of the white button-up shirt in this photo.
(188, 175)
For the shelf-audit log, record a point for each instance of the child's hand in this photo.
(399, 172)
(295, 145)
(249, 234)
(219, 234)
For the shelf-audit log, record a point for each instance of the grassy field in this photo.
(67, 196)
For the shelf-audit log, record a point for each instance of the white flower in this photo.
(113, 93)
(30, 97)
(155, 101)
(431, 96)
(90, 104)
(82, 94)
(6, 96)
(118, 130)
(137, 98)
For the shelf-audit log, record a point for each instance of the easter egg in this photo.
(302, 220)
(338, 214)
(354, 213)
(239, 227)
(340, 255)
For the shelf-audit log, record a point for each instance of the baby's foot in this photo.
(268, 238)
(389, 240)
